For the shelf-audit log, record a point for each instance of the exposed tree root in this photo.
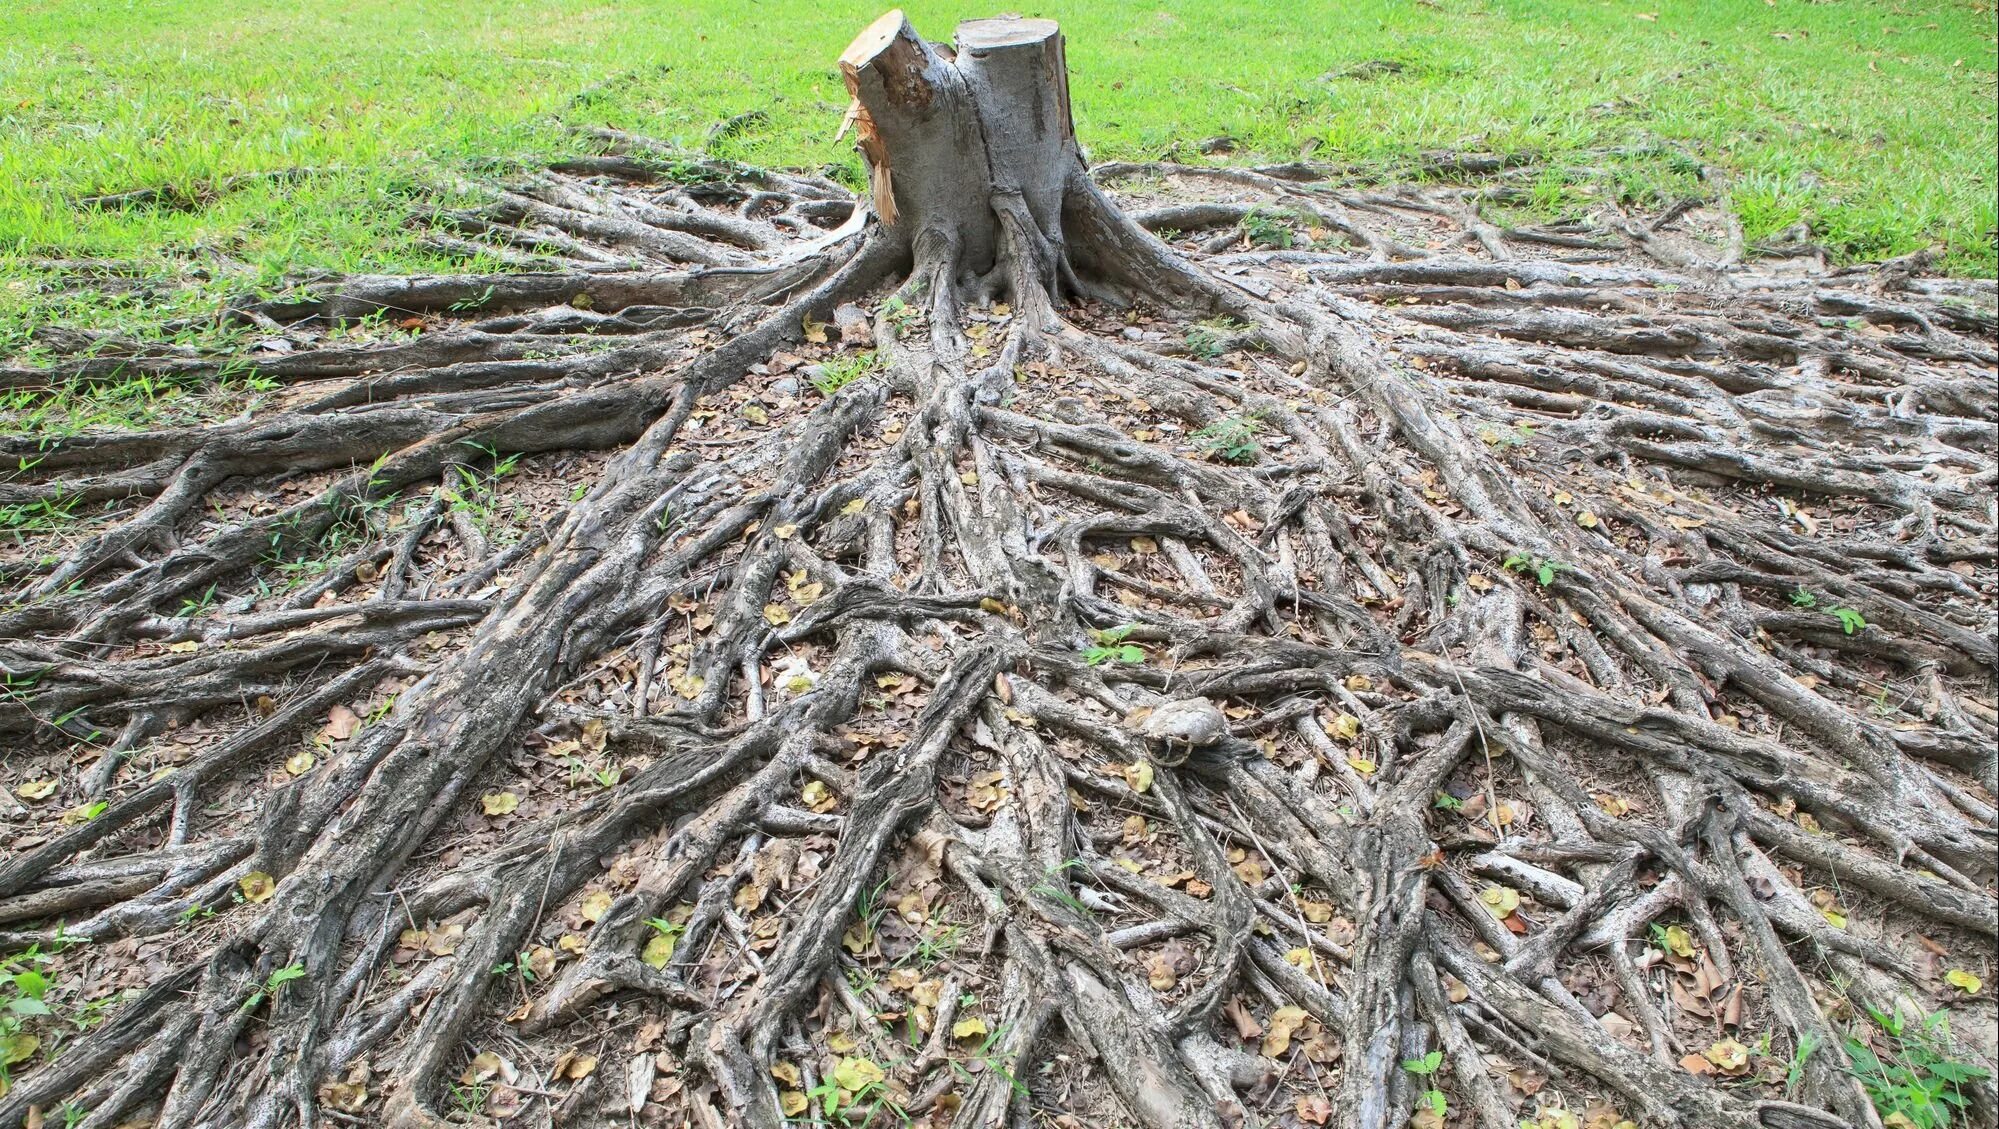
(1599, 632)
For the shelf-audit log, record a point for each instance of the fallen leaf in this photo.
(1284, 1023)
(969, 1028)
(341, 723)
(300, 763)
(856, 1074)
(1728, 1056)
(499, 803)
(1963, 981)
(1138, 775)
(1314, 1109)
(595, 905)
(1500, 901)
(36, 790)
(257, 886)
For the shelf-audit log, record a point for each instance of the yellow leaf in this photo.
(1144, 545)
(1361, 765)
(839, 1042)
(1284, 1023)
(784, 532)
(595, 905)
(1586, 519)
(572, 943)
(36, 790)
(18, 1048)
(1301, 957)
(300, 763)
(485, 1064)
(854, 507)
(815, 331)
(1963, 981)
(257, 886)
(787, 1073)
(793, 1102)
(1836, 918)
(1138, 775)
(857, 1074)
(1359, 683)
(1500, 901)
(659, 950)
(1678, 941)
(776, 615)
(499, 803)
(970, 1028)
(579, 1068)
(1318, 913)
(1728, 1056)
(184, 647)
(1346, 727)
(818, 797)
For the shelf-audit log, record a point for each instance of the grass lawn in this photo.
(1874, 122)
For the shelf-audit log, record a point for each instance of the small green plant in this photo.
(1112, 648)
(1232, 438)
(273, 984)
(1210, 339)
(474, 302)
(469, 1098)
(900, 316)
(194, 912)
(1444, 801)
(1267, 229)
(1801, 597)
(1519, 435)
(836, 373)
(1913, 1077)
(1426, 1069)
(199, 605)
(1850, 621)
(1539, 568)
(1050, 887)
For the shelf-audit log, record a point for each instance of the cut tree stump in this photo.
(948, 655)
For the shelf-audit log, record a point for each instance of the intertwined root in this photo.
(1604, 650)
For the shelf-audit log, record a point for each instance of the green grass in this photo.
(1872, 121)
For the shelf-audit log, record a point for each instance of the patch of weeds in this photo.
(1519, 435)
(1052, 889)
(273, 984)
(476, 495)
(901, 316)
(837, 372)
(1802, 597)
(1850, 621)
(1262, 228)
(1232, 438)
(1540, 568)
(1912, 1077)
(1209, 339)
(1426, 1069)
(1112, 648)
